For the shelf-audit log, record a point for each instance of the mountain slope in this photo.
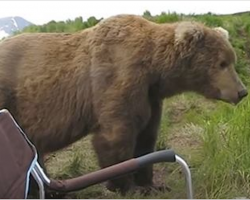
(9, 25)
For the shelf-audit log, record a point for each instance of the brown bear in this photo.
(110, 80)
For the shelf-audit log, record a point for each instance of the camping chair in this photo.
(18, 162)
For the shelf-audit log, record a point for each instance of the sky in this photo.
(40, 12)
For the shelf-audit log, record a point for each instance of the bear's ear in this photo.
(188, 33)
(188, 36)
(222, 31)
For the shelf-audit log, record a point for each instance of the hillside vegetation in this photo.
(213, 137)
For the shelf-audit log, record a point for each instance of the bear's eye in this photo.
(223, 65)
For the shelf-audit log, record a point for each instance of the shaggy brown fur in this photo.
(110, 80)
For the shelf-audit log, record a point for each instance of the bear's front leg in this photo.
(122, 112)
(145, 144)
(113, 146)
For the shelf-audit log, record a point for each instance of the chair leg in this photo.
(41, 174)
(39, 182)
(187, 173)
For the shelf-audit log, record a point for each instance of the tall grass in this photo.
(226, 152)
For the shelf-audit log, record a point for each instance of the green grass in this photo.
(226, 151)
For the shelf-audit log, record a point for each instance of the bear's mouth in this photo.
(216, 94)
(232, 102)
(231, 97)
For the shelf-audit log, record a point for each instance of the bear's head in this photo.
(207, 62)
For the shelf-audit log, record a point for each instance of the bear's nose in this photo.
(242, 94)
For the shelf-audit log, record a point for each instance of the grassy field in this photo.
(213, 137)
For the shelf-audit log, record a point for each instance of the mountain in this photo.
(9, 25)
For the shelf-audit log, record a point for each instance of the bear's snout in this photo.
(243, 93)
